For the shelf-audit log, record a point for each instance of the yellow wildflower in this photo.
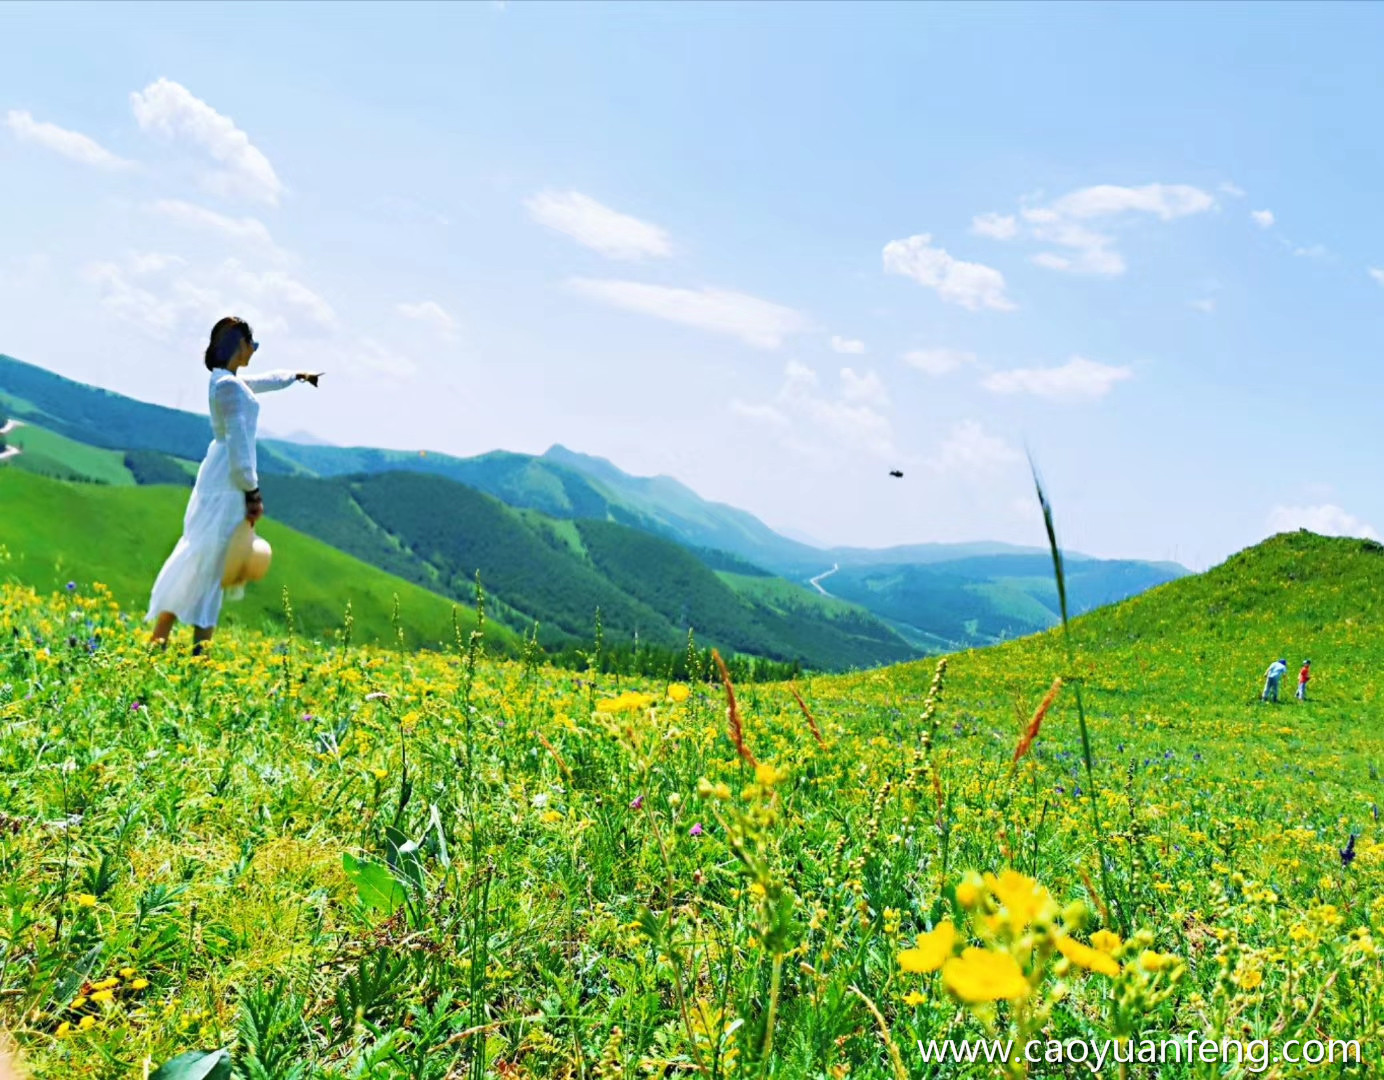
(87, 1023)
(139, 984)
(103, 997)
(932, 952)
(1106, 941)
(1087, 957)
(86, 899)
(679, 692)
(914, 998)
(1022, 898)
(968, 892)
(1156, 961)
(979, 975)
(629, 701)
(765, 775)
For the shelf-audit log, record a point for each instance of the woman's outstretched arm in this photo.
(270, 380)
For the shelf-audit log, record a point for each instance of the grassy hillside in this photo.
(1296, 595)
(478, 873)
(54, 532)
(740, 609)
(49, 454)
(99, 418)
(438, 534)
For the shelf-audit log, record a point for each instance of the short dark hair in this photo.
(226, 337)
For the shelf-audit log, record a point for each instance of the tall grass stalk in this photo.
(1061, 578)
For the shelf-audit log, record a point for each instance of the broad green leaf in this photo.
(378, 888)
(196, 1065)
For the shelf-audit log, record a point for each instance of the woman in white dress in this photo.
(227, 492)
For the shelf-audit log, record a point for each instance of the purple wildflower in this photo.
(696, 830)
(637, 803)
(71, 586)
(135, 707)
(1348, 852)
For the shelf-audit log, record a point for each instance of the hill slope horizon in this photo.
(35, 394)
(933, 596)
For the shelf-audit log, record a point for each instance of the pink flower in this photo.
(637, 803)
(696, 830)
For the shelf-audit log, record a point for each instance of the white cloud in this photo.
(1078, 378)
(1327, 520)
(849, 346)
(756, 322)
(1205, 304)
(1066, 222)
(938, 361)
(157, 314)
(170, 109)
(1311, 251)
(273, 290)
(1233, 190)
(995, 226)
(970, 450)
(819, 424)
(430, 312)
(246, 230)
(1263, 218)
(588, 222)
(971, 285)
(170, 300)
(1376, 273)
(1166, 201)
(1090, 252)
(867, 387)
(72, 145)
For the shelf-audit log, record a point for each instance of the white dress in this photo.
(189, 585)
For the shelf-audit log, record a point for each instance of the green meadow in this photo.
(300, 859)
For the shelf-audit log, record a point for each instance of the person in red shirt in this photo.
(1303, 676)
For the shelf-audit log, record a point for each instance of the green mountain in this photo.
(54, 531)
(936, 596)
(986, 599)
(439, 534)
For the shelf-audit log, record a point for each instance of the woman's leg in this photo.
(201, 636)
(162, 628)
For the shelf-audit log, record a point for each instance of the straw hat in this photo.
(247, 557)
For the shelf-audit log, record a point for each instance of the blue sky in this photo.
(771, 250)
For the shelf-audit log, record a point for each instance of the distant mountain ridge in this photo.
(936, 596)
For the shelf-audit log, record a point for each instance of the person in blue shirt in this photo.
(1271, 679)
